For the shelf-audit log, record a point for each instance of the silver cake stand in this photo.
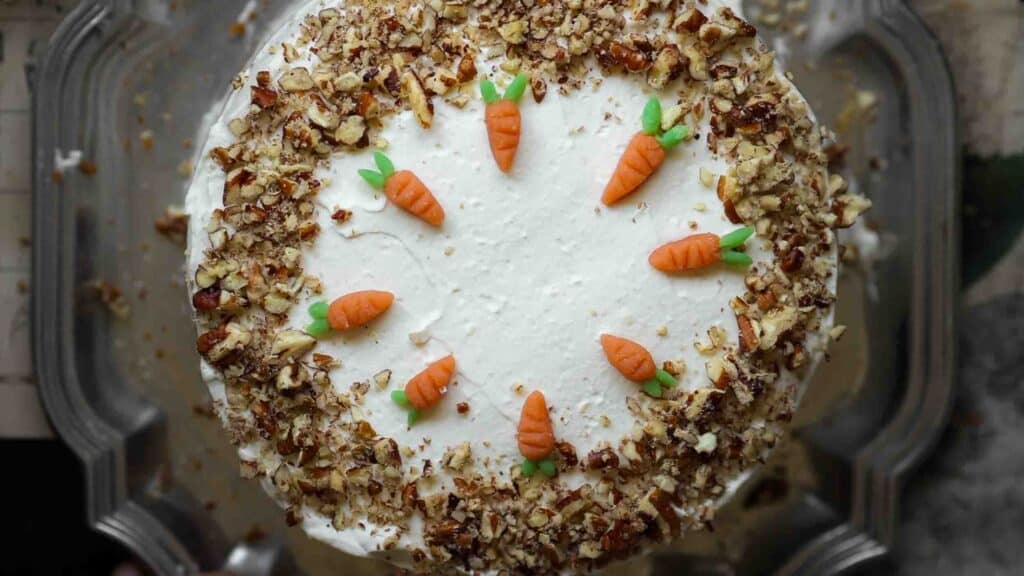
(127, 82)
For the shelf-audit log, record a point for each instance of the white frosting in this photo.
(528, 270)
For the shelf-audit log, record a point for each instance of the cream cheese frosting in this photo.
(528, 270)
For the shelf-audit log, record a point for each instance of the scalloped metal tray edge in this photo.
(163, 529)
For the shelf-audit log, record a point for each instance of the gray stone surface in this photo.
(964, 509)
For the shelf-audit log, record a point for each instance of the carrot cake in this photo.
(511, 286)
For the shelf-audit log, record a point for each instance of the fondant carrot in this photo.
(635, 363)
(644, 154)
(631, 359)
(425, 389)
(349, 311)
(535, 436)
(504, 122)
(701, 251)
(405, 190)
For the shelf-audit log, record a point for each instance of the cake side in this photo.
(323, 431)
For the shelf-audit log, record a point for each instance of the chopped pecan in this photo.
(690, 20)
(444, 533)
(667, 67)
(792, 260)
(539, 88)
(263, 97)
(296, 80)
(419, 101)
(466, 70)
(568, 453)
(796, 359)
(603, 458)
(663, 502)
(748, 337)
(766, 301)
(206, 299)
(730, 212)
(209, 339)
(619, 538)
(630, 58)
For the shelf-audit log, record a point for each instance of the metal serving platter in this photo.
(127, 83)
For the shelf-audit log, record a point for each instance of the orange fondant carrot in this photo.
(631, 359)
(405, 190)
(635, 363)
(642, 157)
(644, 154)
(358, 309)
(700, 251)
(425, 389)
(535, 436)
(504, 122)
(350, 311)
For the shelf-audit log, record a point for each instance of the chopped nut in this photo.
(748, 335)
(590, 550)
(674, 367)
(351, 130)
(207, 298)
(702, 403)
(776, 323)
(263, 97)
(235, 337)
(707, 178)
(698, 67)
(707, 443)
(568, 453)
(601, 459)
(630, 58)
(292, 344)
(418, 99)
(382, 378)
(671, 116)
(348, 82)
(173, 224)
(341, 215)
(849, 207)
(441, 81)
(457, 457)
(290, 377)
(689, 20)
(539, 88)
(716, 372)
(467, 68)
(276, 303)
(513, 32)
(296, 80)
(385, 451)
(538, 518)
(322, 116)
(667, 67)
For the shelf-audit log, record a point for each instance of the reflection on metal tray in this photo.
(127, 82)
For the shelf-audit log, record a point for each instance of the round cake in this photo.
(507, 285)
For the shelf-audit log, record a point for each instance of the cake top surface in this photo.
(493, 285)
